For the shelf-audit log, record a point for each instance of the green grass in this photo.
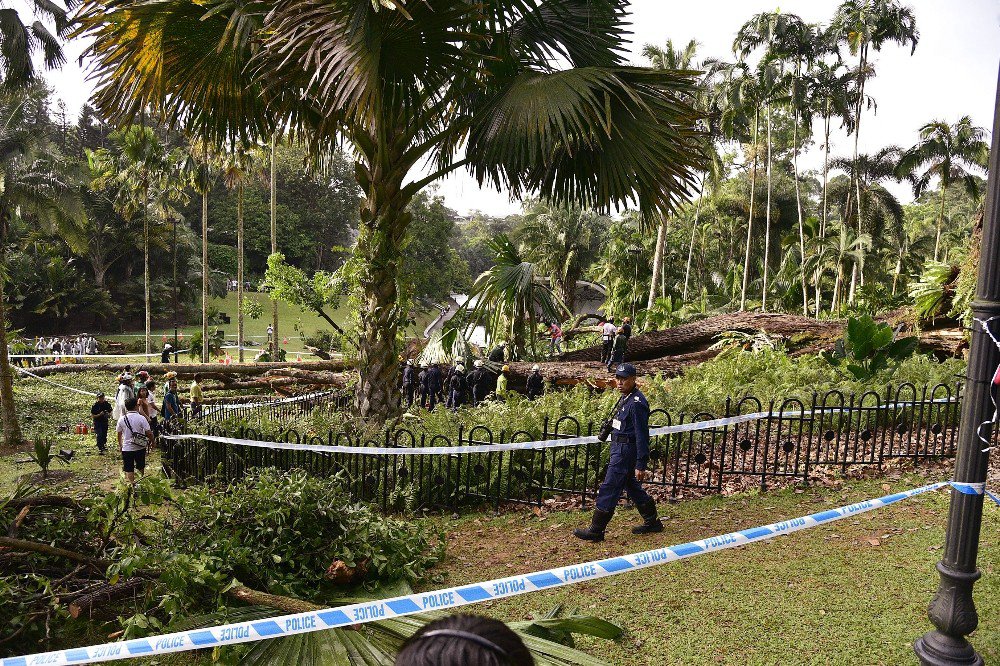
(256, 329)
(823, 596)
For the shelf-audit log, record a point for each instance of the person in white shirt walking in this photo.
(134, 435)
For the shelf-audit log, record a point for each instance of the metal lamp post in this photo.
(953, 611)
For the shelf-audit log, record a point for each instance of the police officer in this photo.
(434, 386)
(409, 383)
(536, 385)
(422, 381)
(456, 388)
(629, 457)
(478, 381)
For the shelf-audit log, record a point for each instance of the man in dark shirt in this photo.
(101, 411)
(536, 385)
(409, 384)
(456, 387)
(165, 354)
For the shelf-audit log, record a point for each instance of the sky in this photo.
(953, 72)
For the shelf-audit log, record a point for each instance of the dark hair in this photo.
(138, 394)
(197, 377)
(459, 640)
(131, 403)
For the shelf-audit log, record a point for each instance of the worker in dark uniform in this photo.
(536, 385)
(629, 457)
(434, 386)
(409, 383)
(422, 381)
(478, 382)
(627, 327)
(498, 353)
(618, 349)
(457, 387)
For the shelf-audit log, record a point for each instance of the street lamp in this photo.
(953, 611)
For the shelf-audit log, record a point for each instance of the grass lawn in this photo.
(256, 329)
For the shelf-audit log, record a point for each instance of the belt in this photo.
(623, 439)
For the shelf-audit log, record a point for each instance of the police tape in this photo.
(454, 597)
(86, 356)
(556, 443)
(49, 381)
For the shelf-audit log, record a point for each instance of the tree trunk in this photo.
(767, 215)
(274, 242)
(798, 207)
(937, 238)
(694, 230)
(860, 263)
(661, 241)
(899, 267)
(239, 270)
(145, 267)
(818, 276)
(382, 231)
(8, 410)
(753, 190)
(205, 268)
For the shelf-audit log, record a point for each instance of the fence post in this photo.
(767, 447)
(809, 439)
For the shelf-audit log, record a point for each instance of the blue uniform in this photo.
(629, 452)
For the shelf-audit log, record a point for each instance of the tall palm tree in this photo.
(203, 162)
(537, 92)
(33, 186)
(20, 43)
(239, 167)
(950, 153)
(561, 241)
(863, 25)
(710, 178)
(143, 178)
(273, 205)
(669, 58)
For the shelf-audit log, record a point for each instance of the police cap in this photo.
(625, 370)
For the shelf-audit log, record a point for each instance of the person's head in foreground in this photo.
(465, 640)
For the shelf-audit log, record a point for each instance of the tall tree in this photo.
(537, 92)
(671, 58)
(202, 161)
(951, 154)
(34, 187)
(863, 25)
(239, 167)
(144, 179)
(273, 210)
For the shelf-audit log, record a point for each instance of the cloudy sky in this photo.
(952, 73)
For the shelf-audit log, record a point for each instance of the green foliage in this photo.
(252, 309)
(869, 348)
(280, 532)
(41, 454)
(932, 293)
(216, 340)
(431, 268)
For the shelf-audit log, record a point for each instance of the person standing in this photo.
(154, 404)
(122, 394)
(629, 458)
(422, 381)
(608, 332)
(536, 385)
(501, 390)
(618, 350)
(197, 399)
(409, 383)
(171, 406)
(101, 413)
(456, 387)
(627, 327)
(91, 346)
(165, 354)
(133, 437)
(478, 382)
(435, 386)
(555, 338)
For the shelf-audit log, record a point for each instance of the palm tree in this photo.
(20, 43)
(561, 241)
(34, 187)
(143, 178)
(866, 24)
(867, 200)
(239, 167)
(670, 58)
(203, 162)
(950, 153)
(273, 205)
(536, 92)
(509, 297)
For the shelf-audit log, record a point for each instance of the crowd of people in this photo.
(140, 416)
(69, 347)
(428, 385)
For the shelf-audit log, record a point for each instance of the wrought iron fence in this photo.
(276, 410)
(787, 442)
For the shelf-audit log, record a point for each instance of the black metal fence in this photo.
(277, 410)
(787, 442)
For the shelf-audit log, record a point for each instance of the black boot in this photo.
(650, 520)
(598, 523)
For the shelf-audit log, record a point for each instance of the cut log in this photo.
(257, 598)
(42, 500)
(105, 594)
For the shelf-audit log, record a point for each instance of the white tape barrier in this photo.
(85, 356)
(454, 597)
(49, 381)
(518, 446)
(272, 403)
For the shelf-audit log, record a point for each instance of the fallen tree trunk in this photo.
(185, 370)
(257, 598)
(45, 549)
(106, 593)
(42, 500)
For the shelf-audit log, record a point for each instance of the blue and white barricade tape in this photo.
(453, 597)
(508, 446)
